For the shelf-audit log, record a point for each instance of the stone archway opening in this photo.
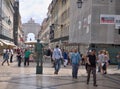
(31, 37)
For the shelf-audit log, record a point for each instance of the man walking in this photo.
(57, 55)
(75, 60)
(91, 59)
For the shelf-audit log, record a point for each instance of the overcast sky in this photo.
(36, 9)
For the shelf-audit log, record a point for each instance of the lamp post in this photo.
(79, 3)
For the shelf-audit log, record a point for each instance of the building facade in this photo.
(93, 25)
(44, 31)
(6, 19)
(59, 29)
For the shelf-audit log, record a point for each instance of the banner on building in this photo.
(107, 19)
(110, 19)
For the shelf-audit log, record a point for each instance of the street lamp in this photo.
(79, 3)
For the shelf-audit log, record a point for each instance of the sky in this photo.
(36, 9)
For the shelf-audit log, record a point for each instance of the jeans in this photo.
(75, 70)
(57, 65)
(118, 65)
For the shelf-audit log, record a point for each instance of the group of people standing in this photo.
(20, 55)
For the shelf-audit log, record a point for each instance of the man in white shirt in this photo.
(57, 55)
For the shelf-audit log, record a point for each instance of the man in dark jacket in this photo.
(91, 59)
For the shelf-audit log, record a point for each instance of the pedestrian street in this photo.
(14, 77)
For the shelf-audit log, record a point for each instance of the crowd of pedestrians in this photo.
(92, 60)
(21, 55)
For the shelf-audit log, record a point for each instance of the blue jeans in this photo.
(118, 65)
(75, 70)
(57, 65)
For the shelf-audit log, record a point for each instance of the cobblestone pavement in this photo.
(13, 77)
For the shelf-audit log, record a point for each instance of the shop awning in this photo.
(5, 42)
